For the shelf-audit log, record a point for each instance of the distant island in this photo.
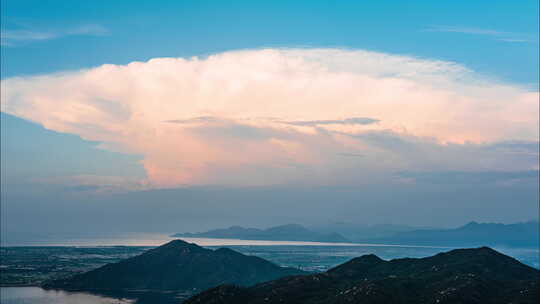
(472, 276)
(472, 234)
(177, 265)
(291, 232)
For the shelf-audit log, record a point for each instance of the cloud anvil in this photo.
(275, 116)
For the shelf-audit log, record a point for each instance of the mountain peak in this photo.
(357, 265)
(369, 258)
(484, 250)
(178, 246)
(177, 265)
(176, 243)
(236, 227)
(287, 227)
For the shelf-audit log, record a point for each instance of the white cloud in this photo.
(498, 35)
(10, 37)
(274, 116)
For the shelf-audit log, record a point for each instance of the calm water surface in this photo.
(36, 295)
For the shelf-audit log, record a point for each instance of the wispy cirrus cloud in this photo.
(346, 121)
(495, 34)
(467, 177)
(196, 120)
(15, 37)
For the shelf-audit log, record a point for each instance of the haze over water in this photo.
(276, 250)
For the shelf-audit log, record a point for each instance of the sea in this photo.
(309, 256)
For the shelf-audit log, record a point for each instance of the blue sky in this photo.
(496, 39)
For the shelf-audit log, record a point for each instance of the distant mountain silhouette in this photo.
(177, 265)
(358, 232)
(291, 232)
(472, 234)
(472, 276)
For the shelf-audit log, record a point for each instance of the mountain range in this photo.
(291, 232)
(480, 275)
(177, 265)
(473, 234)
(357, 232)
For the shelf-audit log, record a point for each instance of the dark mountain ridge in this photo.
(290, 232)
(177, 265)
(480, 275)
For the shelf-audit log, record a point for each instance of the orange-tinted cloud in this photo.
(283, 115)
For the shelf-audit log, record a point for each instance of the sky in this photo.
(129, 116)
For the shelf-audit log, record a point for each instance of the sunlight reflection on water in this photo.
(152, 239)
(36, 295)
(238, 242)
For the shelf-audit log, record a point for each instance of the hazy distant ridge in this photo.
(291, 232)
(472, 234)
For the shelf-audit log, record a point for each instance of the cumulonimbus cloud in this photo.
(282, 115)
